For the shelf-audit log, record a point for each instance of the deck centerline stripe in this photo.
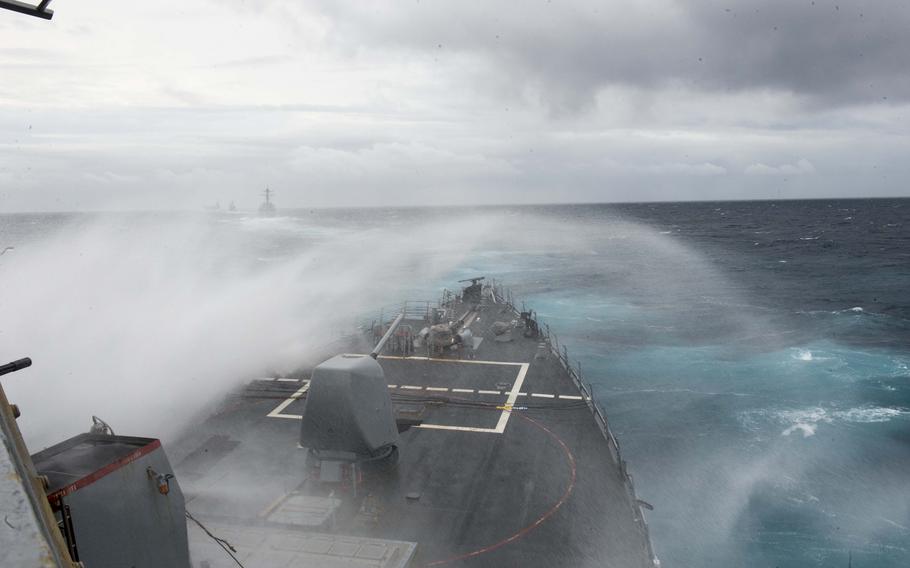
(513, 395)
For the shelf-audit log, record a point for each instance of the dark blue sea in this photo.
(753, 358)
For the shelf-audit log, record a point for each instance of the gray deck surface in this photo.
(546, 491)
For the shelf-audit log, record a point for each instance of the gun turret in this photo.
(473, 293)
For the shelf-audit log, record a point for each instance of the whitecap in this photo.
(806, 429)
(804, 420)
(869, 414)
(856, 309)
(803, 355)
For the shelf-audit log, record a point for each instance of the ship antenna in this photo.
(39, 10)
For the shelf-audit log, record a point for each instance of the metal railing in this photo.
(502, 294)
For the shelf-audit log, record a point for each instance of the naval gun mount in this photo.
(348, 422)
(347, 416)
(474, 292)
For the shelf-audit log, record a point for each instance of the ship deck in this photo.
(508, 468)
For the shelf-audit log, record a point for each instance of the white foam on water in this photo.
(802, 420)
(870, 414)
(803, 355)
(806, 429)
(807, 420)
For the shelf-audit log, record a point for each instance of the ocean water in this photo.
(753, 358)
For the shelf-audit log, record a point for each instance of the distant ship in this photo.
(267, 209)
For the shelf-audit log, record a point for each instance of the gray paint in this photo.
(348, 409)
(120, 519)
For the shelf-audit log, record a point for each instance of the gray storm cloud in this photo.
(174, 105)
(831, 52)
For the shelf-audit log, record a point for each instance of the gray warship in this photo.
(455, 432)
(267, 208)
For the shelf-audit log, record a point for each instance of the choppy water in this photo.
(753, 358)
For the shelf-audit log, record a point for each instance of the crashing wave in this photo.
(806, 429)
(804, 355)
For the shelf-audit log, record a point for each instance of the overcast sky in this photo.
(178, 104)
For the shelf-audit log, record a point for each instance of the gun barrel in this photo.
(378, 349)
(15, 365)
